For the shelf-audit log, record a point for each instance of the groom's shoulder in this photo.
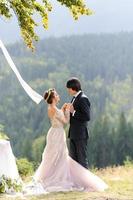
(83, 95)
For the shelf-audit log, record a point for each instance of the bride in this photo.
(58, 171)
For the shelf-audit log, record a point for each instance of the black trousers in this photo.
(78, 151)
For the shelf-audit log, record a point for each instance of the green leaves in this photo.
(25, 167)
(76, 7)
(4, 9)
(25, 9)
(7, 184)
(3, 136)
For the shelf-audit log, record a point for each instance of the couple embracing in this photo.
(61, 170)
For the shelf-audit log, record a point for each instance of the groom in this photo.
(79, 117)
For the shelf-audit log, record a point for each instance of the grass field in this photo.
(119, 179)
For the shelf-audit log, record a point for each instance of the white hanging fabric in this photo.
(33, 94)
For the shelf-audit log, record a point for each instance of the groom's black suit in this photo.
(78, 132)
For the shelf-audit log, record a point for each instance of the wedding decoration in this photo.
(33, 95)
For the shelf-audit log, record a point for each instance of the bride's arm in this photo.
(64, 107)
(65, 117)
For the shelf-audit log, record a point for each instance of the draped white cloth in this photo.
(8, 165)
(33, 95)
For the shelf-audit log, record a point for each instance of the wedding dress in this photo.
(58, 171)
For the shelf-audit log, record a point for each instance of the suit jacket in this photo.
(79, 122)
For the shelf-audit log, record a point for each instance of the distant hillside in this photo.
(106, 55)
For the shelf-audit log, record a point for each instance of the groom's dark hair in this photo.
(74, 84)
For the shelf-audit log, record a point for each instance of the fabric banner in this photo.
(33, 94)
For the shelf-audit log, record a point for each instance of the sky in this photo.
(109, 16)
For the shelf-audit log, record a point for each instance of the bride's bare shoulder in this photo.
(51, 111)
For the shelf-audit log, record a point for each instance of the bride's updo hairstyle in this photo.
(49, 95)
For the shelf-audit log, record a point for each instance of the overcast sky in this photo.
(110, 16)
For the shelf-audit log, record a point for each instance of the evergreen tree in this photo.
(101, 143)
(124, 140)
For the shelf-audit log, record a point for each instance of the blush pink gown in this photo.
(58, 171)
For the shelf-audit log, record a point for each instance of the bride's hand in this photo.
(68, 106)
(64, 106)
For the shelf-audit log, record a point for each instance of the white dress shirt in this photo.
(74, 100)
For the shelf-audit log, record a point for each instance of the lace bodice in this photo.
(60, 118)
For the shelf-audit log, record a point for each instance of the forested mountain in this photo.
(104, 64)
